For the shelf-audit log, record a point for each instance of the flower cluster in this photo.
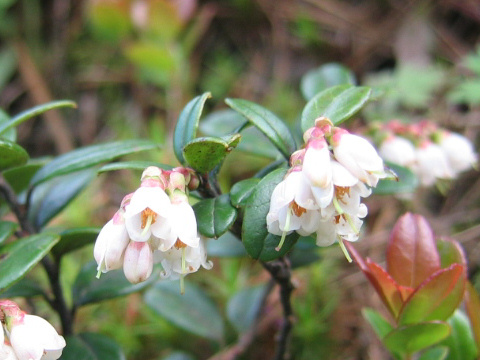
(154, 224)
(27, 337)
(322, 190)
(429, 151)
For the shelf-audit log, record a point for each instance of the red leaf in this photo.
(436, 298)
(472, 305)
(411, 253)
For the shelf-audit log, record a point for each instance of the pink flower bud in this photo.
(138, 262)
(111, 244)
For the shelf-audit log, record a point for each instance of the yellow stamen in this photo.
(344, 249)
(148, 218)
(297, 209)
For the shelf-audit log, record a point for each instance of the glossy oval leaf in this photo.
(214, 216)
(259, 243)
(7, 229)
(204, 154)
(88, 289)
(91, 346)
(227, 245)
(89, 156)
(35, 111)
(187, 124)
(451, 252)
(244, 307)
(435, 353)
(413, 338)
(132, 165)
(328, 75)
(381, 326)
(460, 342)
(10, 134)
(407, 182)
(242, 190)
(193, 312)
(11, 155)
(411, 251)
(19, 177)
(18, 257)
(73, 239)
(25, 287)
(268, 123)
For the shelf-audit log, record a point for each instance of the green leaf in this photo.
(472, 306)
(132, 165)
(460, 342)
(381, 326)
(178, 355)
(412, 338)
(7, 229)
(89, 156)
(73, 239)
(9, 134)
(88, 289)
(193, 311)
(300, 257)
(268, 123)
(436, 353)
(53, 196)
(11, 155)
(19, 177)
(325, 76)
(35, 111)
(8, 63)
(25, 287)
(187, 124)
(18, 257)
(244, 307)
(242, 190)
(259, 243)
(407, 181)
(214, 216)
(338, 104)
(91, 346)
(451, 252)
(227, 245)
(205, 153)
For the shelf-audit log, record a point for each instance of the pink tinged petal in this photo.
(110, 246)
(317, 167)
(138, 262)
(326, 233)
(341, 176)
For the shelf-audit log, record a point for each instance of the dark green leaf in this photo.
(91, 346)
(89, 156)
(73, 239)
(88, 289)
(259, 243)
(10, 134)
(412, 338)
(460, 342)
(227, 245)
(7, 229)
(193, 311)
(244, 307)
(8, 58)
(407, 181)
(325, 76)
(35, 111)
(17, 258)
(268, 123)
(132, 165)
(381, 326)
(204, 154)
(436, 353)
(53, 196)
(214, 216)
(187, 124)
(300, 257)
(241, 191)
(11, 155)
(19, 177)
(23, 288)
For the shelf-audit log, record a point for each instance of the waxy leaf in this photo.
(268, 123)
(259, 243)
(337, 103)
(381, 326)
(10, 134)
(132, 165)
(11, 155)
(7, 229)
(472, 306)
(326, 76)
(436, 298)
(407, 181)
(25, 287)
(227, 245)
(244, 307)
(204, 154)
(460, 342)
(412, 253)
(193, 311)
(436, 353)
(89, 156)
(88, 289)
(73, 239)
(409, 339)
(214, 216)
(241, 191)
(35, 111)
(19, 177)
(450, 253)
(91, 346)
(18, 257)
(187, 124)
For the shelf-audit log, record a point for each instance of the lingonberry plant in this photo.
(310, 193)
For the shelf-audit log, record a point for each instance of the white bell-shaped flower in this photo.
(33, 338)
(7, 353)
(317, 169)
(398, 150)
(459, 151)
(340, 226)
(431, 164)
(138, 262)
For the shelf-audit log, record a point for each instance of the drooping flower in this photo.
(138, 261)
(459, 151)
(398, 150)
(431, 164)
